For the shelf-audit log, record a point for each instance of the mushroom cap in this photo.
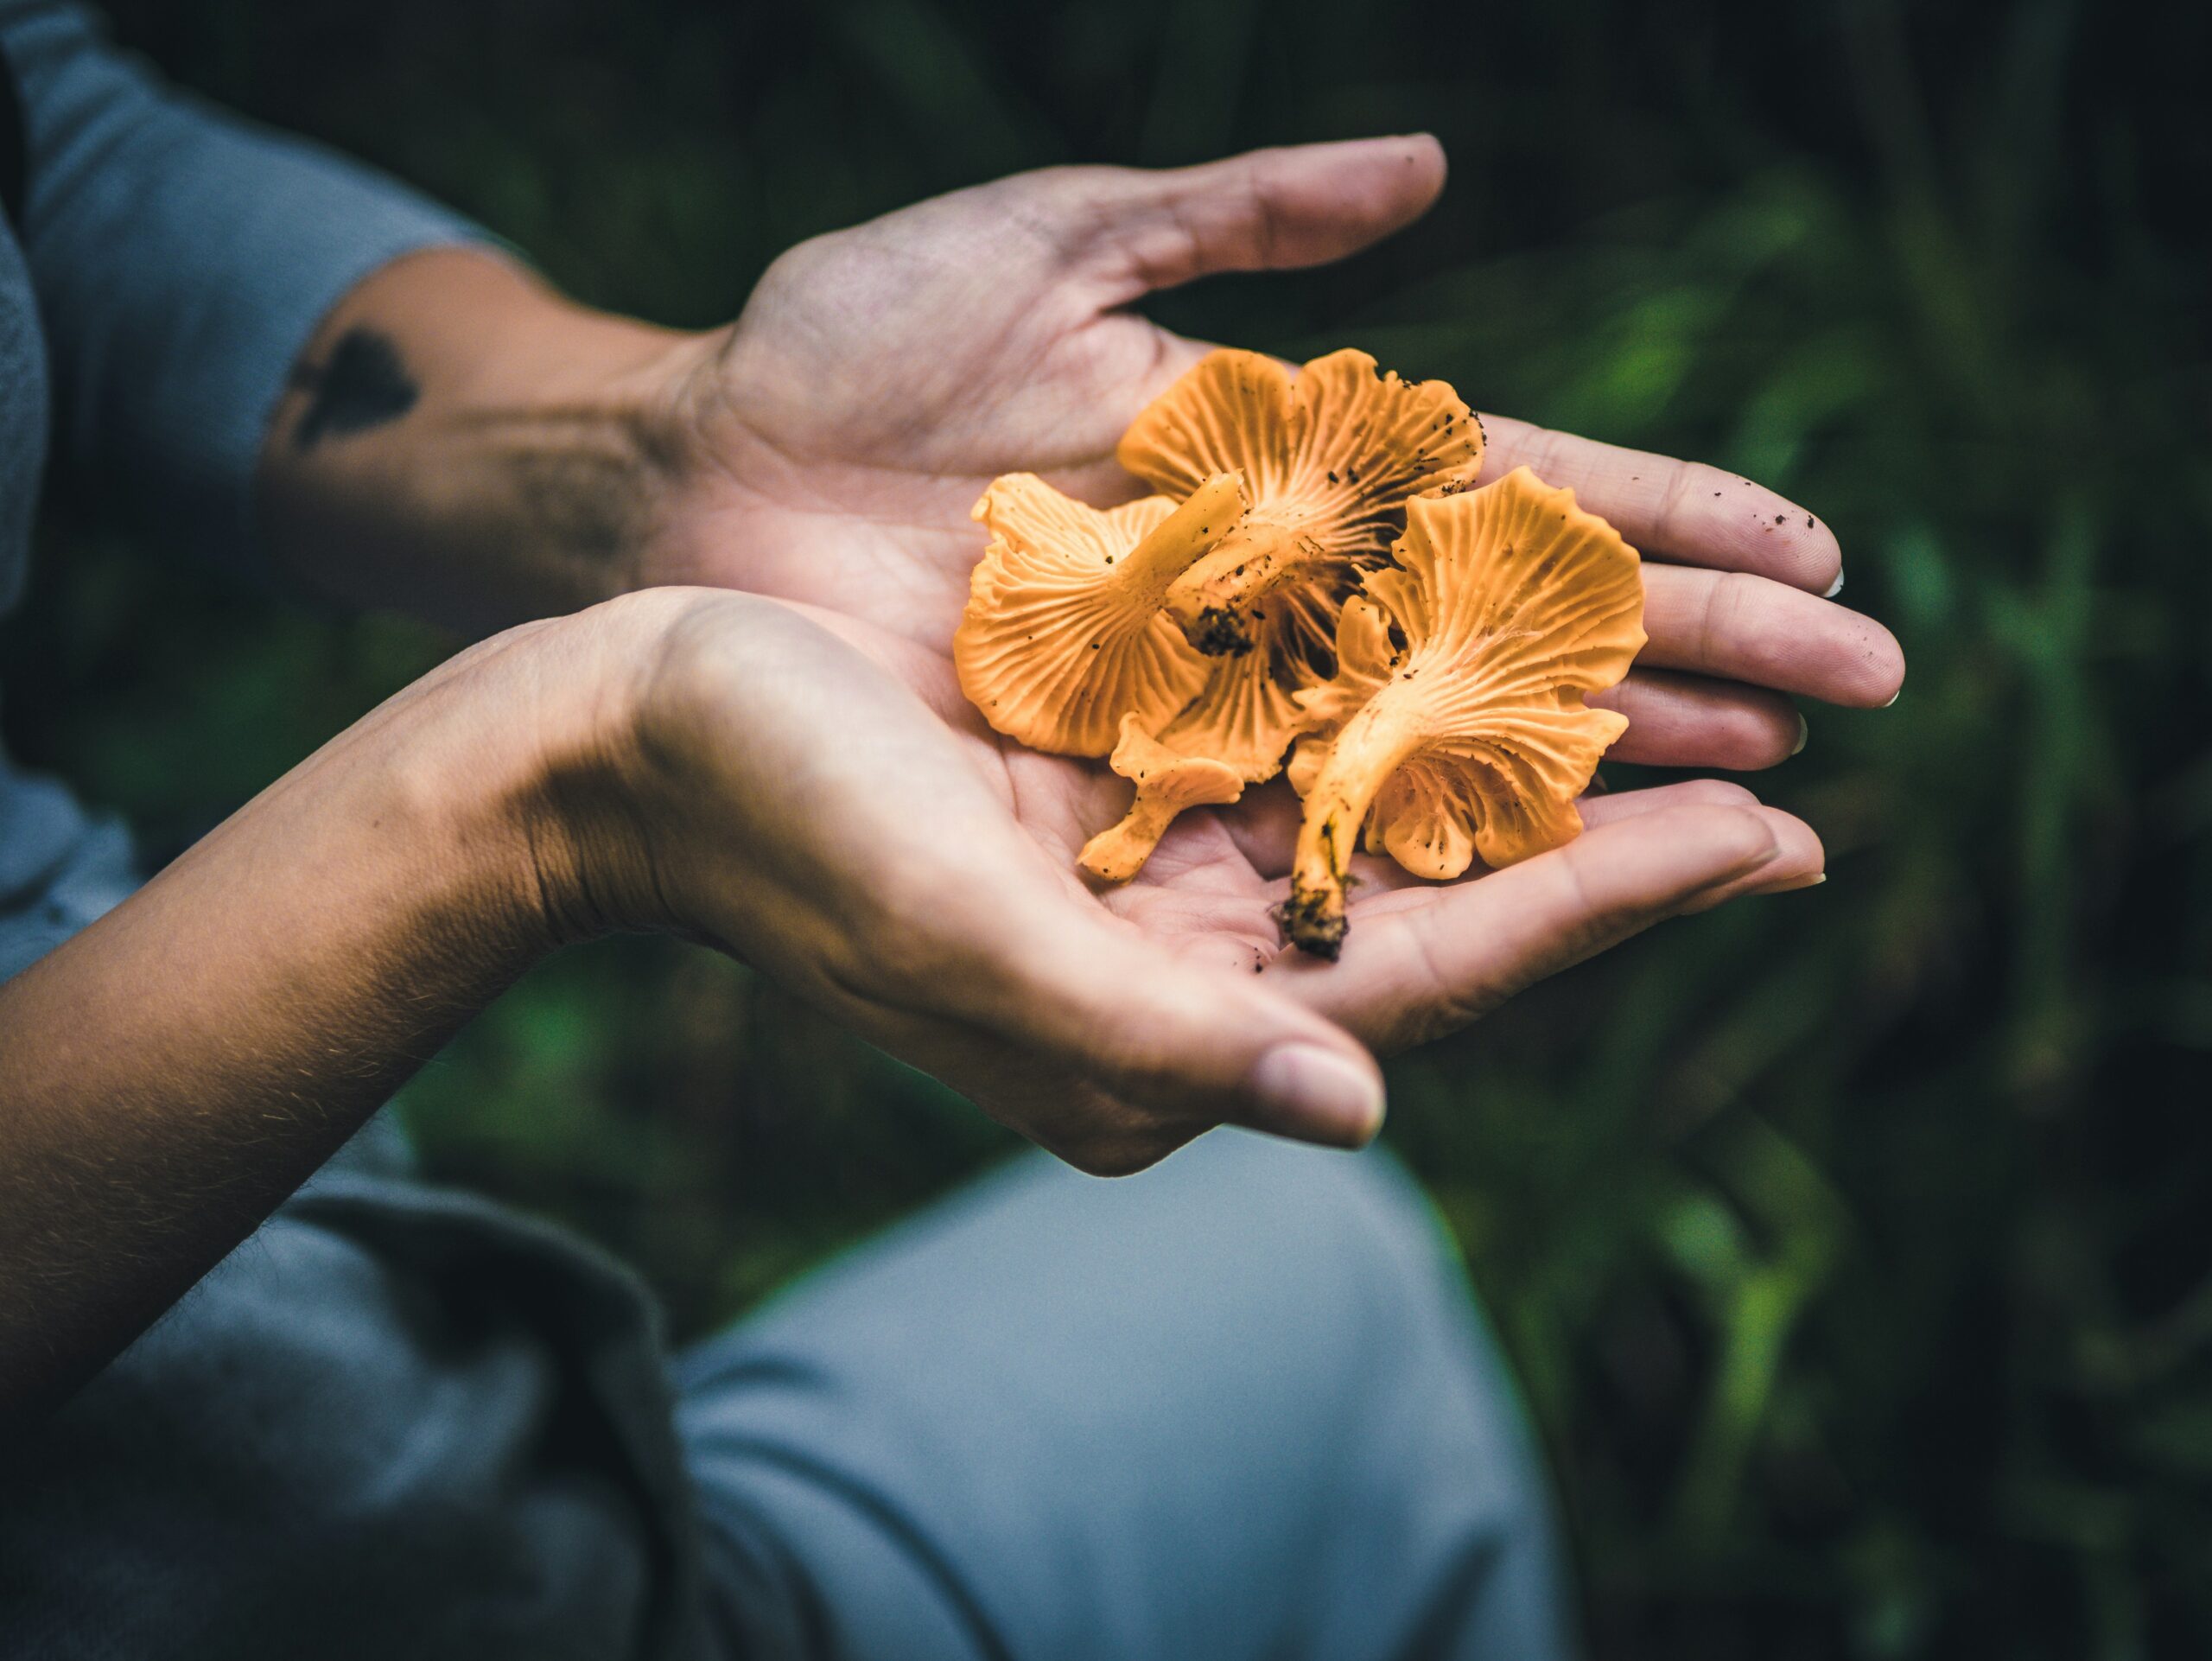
(1062, 635)
(1189, 781)
(1461, 675)
(1245, 717)
(1332, 454)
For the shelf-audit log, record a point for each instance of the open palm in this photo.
(913, 873)
(878, 378)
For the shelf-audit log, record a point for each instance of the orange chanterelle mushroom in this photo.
(1327, 462)
(1455, 726)
(1067, 645)
(1064, 634)
(1193, 636)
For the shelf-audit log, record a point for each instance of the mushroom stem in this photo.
(1119, 852)
(1373, 745)
(1212, 600)
(1147, 571)
(1167, 781)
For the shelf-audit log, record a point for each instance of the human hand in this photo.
(881, 376)
(813, 793)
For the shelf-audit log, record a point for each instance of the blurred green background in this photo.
(1855, 1247)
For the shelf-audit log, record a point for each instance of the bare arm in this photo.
(171, 1073)
(461, 441)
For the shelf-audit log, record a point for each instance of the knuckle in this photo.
(1727, 594)
(1744, 836)
(1544, 451)
(1260, 207)
(1687, 486)
(1452, 1000)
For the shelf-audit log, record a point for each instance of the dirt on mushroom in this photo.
(1330, 459)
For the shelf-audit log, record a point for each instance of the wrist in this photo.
(542, 746)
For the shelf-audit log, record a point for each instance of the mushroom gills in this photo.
(1064, 634)
(1455, 728)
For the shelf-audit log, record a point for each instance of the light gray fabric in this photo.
(398, 1421)
(22, 412)
(1237, 1408)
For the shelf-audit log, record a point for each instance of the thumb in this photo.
(1265, 210)
(1165, 1047)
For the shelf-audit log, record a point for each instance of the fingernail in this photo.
(1894, 696)
(1834, 588)
(1316, 1094)
(1804, 732)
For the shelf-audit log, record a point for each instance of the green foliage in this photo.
(1852, 1245)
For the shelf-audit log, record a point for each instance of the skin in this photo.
(751, 733)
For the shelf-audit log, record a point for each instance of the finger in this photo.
(995, 972)
(1265, 210)
(1675, 510)
(1375, 877)
(978, 959)
(1801, 864)
(1688, 721)
(1747, 628)
(1420, 964)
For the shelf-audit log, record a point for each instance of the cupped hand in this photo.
(842, 430)
(881, 376)
(812, 792)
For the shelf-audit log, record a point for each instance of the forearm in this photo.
(169, 1076)
(461, 441)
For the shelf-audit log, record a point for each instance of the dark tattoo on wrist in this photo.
(362, 384)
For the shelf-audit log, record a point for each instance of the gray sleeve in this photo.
(182, 257)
